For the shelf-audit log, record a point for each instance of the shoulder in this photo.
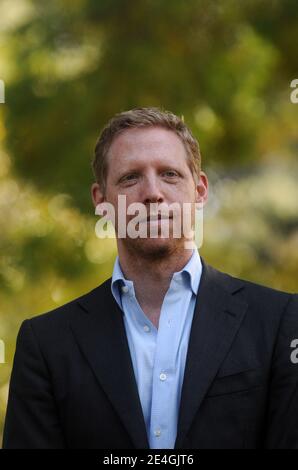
(61, 316)
(260, 298)
(268, 312)
(234, 283)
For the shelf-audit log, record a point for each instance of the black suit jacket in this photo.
(73, 384)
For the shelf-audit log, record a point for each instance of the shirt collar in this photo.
(192, 272)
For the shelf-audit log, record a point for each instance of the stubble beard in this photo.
(154, 249)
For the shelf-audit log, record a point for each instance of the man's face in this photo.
(150, 166)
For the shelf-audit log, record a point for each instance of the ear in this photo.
(97, 194)
(202, 189)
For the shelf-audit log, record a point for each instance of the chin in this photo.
(153, 247)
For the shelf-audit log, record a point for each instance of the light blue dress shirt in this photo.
(159, 355)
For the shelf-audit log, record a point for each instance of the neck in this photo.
(151, 277)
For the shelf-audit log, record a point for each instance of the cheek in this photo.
(182, 193)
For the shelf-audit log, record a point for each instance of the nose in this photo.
(151, 191)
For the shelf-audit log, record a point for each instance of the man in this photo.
(169, 352)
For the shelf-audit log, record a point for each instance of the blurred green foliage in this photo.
(68, 66)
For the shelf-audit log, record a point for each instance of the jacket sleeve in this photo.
(282, 429)
(32, 420)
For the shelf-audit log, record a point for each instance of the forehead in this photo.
(147, 144)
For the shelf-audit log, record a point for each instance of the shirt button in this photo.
(124, 289)
(163, 376)
(146, 328)
(157, 432)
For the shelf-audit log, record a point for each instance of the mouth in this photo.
(156, 217)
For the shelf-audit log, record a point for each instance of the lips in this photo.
(157, 217)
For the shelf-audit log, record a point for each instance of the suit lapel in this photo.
(100, 333)
(217, 318)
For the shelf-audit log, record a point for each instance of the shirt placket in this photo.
(162, 412)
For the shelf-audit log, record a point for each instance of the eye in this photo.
(170, 173)
(128, 178)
